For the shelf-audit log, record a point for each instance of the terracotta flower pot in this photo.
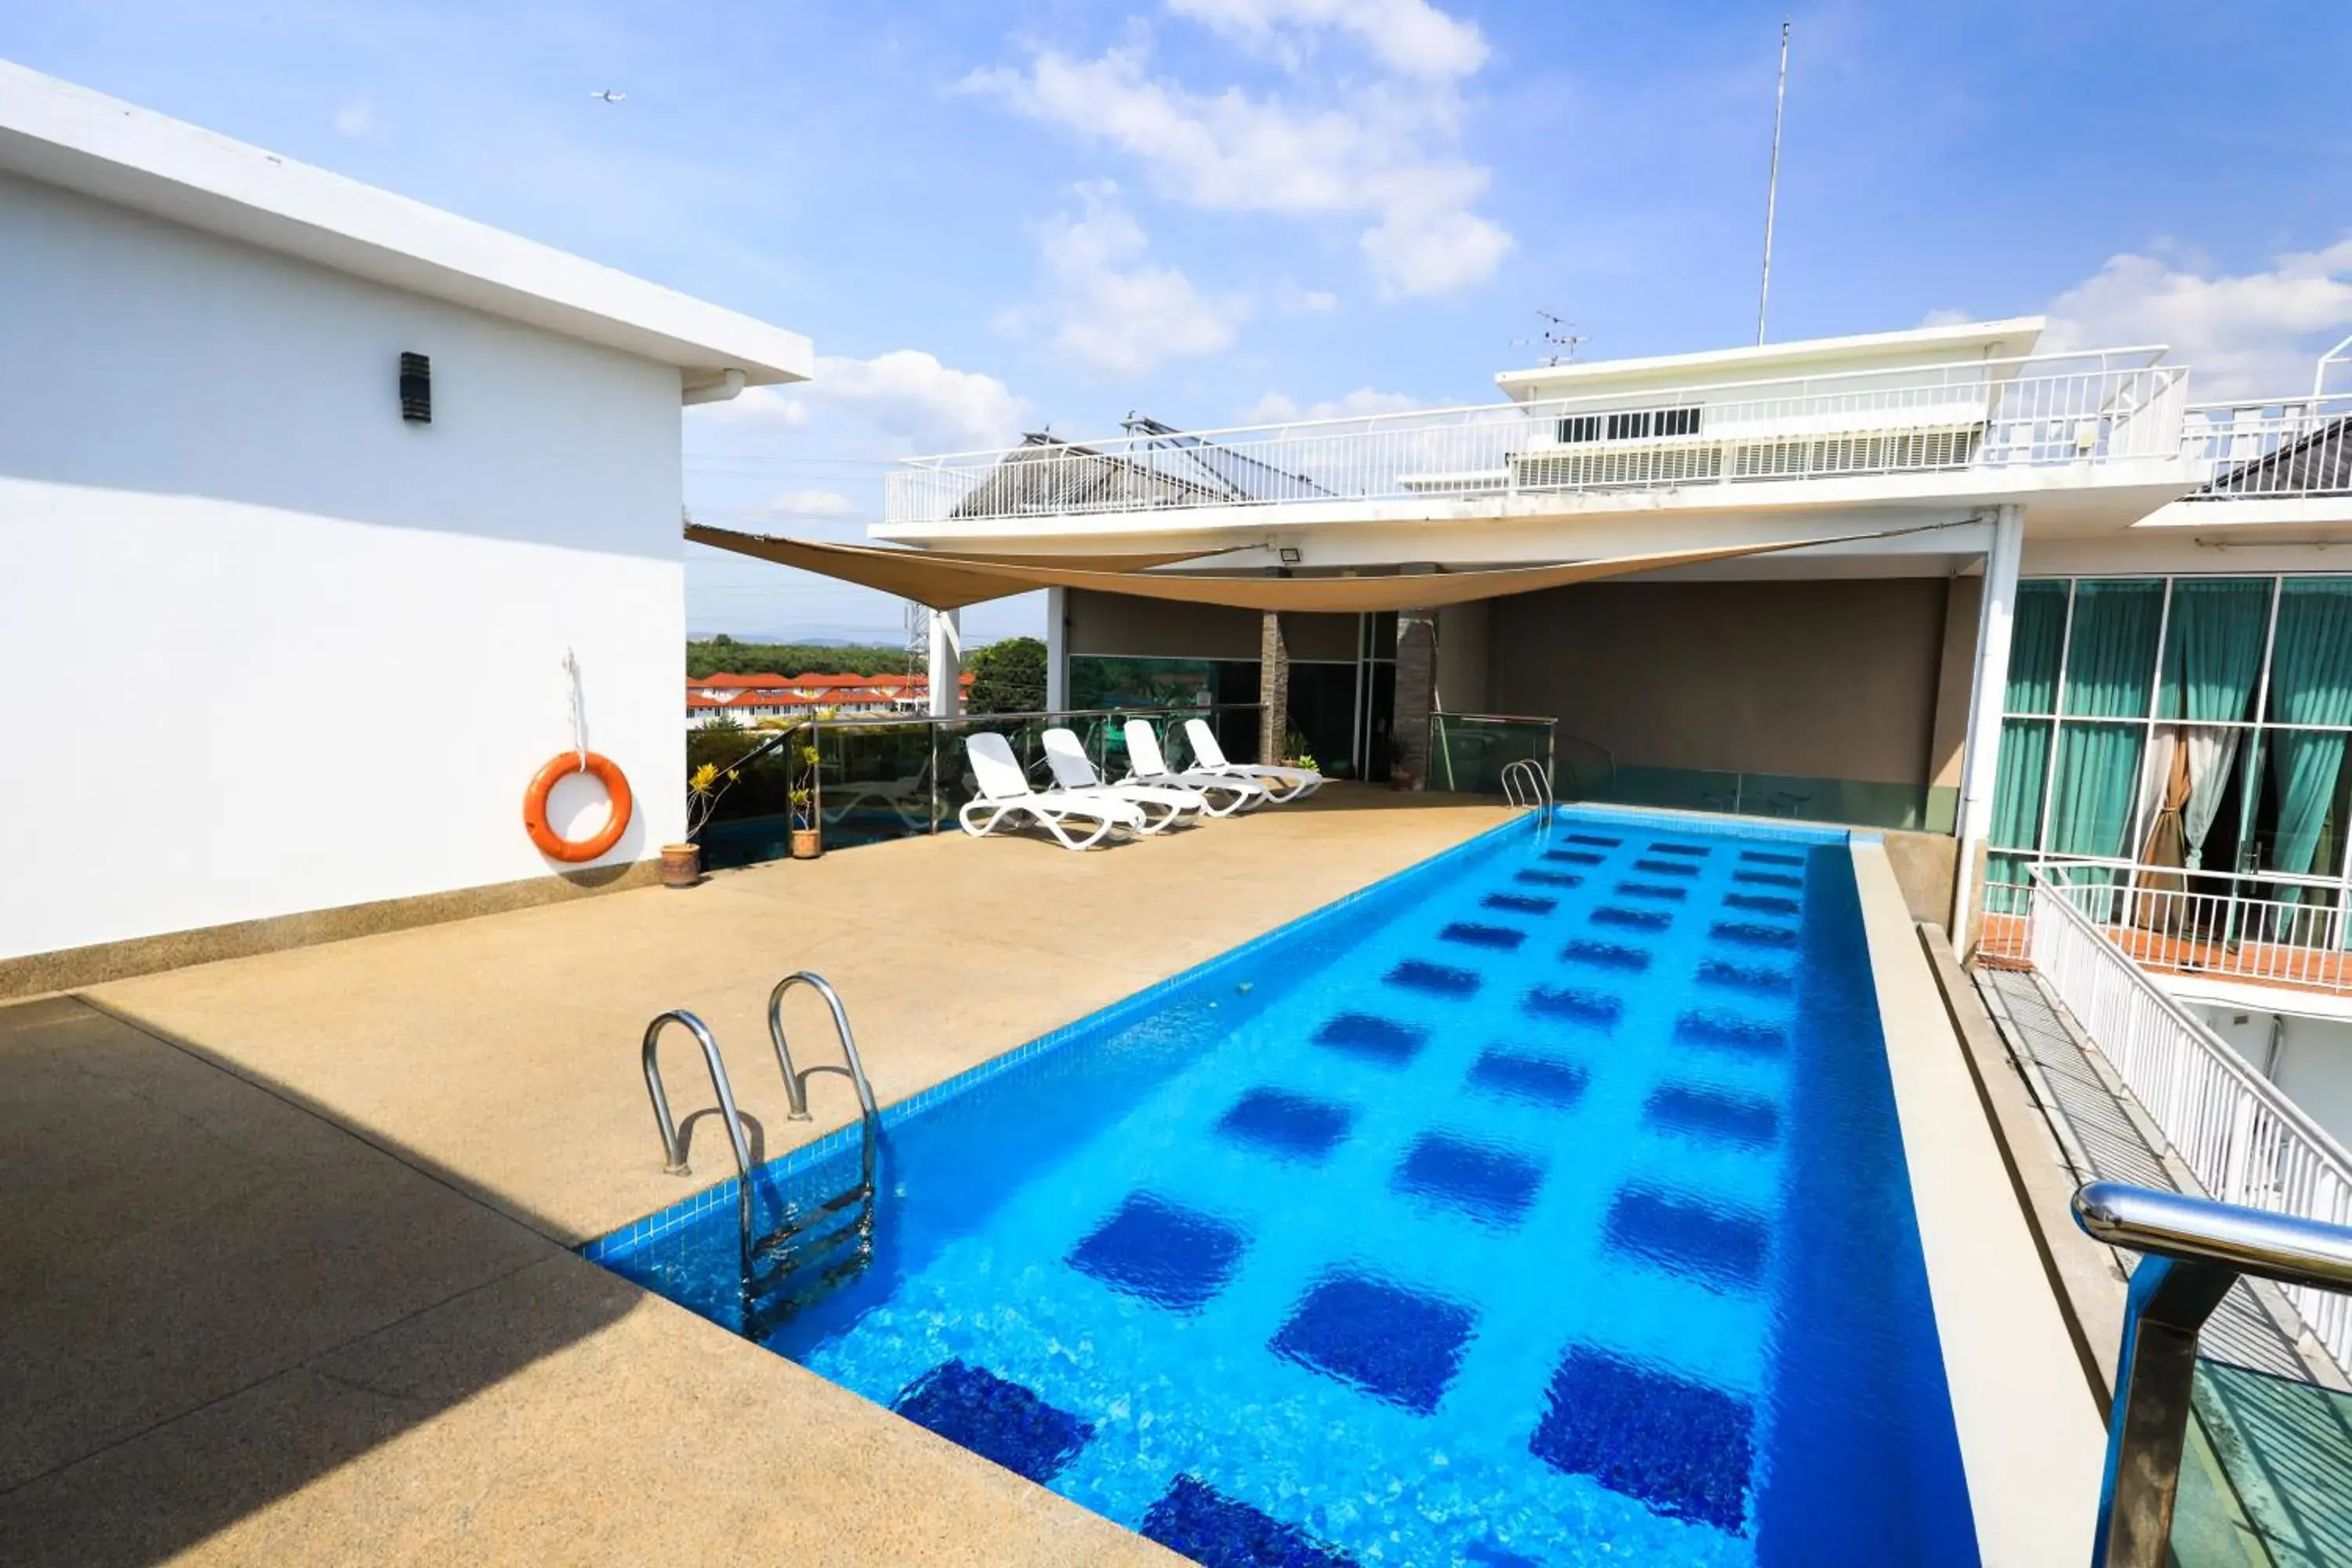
(806, 844)
(681, 865)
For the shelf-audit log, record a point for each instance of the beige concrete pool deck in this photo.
(287, 1272)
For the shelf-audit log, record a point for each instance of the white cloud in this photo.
(2247, 335)
(811, 504)
(1275, 408)
(1107, 308)
(906, 398)
(1410, 38)
(1945, 316)
(358, 120)
(1382, 150)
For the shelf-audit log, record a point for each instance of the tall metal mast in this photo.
(1772, 192)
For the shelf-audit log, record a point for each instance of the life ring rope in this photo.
(554, 845)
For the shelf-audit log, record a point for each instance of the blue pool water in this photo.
(1544, 1204)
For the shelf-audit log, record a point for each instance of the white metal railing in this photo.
(2089, 407)
(2269, 931)
(2279, 448)
(2245, 1141)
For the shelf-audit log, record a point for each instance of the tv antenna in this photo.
(1558, 335)
(1773, 190)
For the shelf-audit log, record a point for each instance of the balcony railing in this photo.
(2052, 410)
(2250, 451)
(2266, 930)
(2246, 1143)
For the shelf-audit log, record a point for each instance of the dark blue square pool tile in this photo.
(1589, 1007)
(1761, 903)
(1196, 1520)
(1169, 1255)
(1753, 978)
(1726, 1032)
(1519, 903)
(1681, 1448)
(1715, 1114)
(1396, 1345)
(1662, 892)
(1770, 857)
(1382, 1040)
(1769, 879)
(1432, 979)
(1594, 839)
(1633, 920)
(1470, 934)
(1721, 1246)
(1536, 877)
(1606, 955)
(1575, 856)
(1292, 1124)
(1666, 867)
(1748, 933)
(1692, 850)
(1487, 1184)
(1529, 1078)
(997, 1419)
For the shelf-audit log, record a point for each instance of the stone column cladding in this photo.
(1273, 688)
(1416, 686)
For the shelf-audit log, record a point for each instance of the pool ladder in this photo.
(1526, 788)
(785, 1255)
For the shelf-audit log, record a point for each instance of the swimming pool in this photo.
(1543, 1203)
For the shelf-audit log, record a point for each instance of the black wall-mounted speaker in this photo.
(417, 388)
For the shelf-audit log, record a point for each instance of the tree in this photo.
(1008, 675)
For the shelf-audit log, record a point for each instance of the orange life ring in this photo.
(554, 845)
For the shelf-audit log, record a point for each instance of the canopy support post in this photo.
(947, 663)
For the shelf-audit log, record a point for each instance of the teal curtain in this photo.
(2098, 774)
(2212, 655)
(2111, 653)
(2035, 635)
(2311, 683)
(2017, 790)
(2214, 650)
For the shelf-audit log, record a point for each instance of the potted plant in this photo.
(807, 835)
(681, 864)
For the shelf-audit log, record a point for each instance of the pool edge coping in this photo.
(2032, 1445)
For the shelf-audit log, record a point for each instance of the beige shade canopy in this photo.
(946, 580)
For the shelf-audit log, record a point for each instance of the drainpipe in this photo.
(729, 386)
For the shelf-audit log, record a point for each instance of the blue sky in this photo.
(993, 217)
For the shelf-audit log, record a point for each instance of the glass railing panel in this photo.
(1855, 802)
(874, 782)
(751, 820)
(1468, 751)
(2267, 1478)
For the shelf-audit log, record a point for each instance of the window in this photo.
(2189, 732)
(1628, 424)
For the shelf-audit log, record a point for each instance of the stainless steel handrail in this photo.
(672, 1148)
(2195, 1249)
(1525, 786)
(796, 1082)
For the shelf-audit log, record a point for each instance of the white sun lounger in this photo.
(1147, 764)
(1005, 799)
(1162, 806)
(1296, 784)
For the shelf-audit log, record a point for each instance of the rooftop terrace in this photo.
(300, 1284)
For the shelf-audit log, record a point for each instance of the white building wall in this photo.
(206, 491)
(2309, 1058)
